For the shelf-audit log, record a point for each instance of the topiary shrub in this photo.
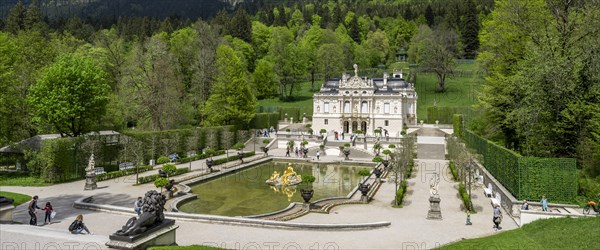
(364, 172)
(266, 141)
(377, 159)
(391, 146)
(162, 160)
(161, 182)
(169, 169)
(238, 146)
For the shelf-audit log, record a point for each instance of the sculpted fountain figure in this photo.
(152, 215)
(288, 178)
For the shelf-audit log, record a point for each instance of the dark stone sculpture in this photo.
(5, 201)
(169, 185)
(152, 215)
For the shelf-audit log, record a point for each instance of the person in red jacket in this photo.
(48, 209)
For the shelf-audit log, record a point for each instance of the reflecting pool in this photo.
(246, 193)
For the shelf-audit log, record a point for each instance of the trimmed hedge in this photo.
(457, 125)
(453, 171)
(200, 157)
(231, 158)
(119, 173)
(527, 177)
(445, 115)
(401, 192)
(152, 178)
(265, 120)
(465, 198)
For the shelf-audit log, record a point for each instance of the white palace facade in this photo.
(359, 103)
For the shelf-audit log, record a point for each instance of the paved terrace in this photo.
(409, 226)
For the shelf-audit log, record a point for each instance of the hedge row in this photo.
(465, 198)
(231, 158)
(458, 125)
(152, 178)
(453, 171)
(401, 192)
(444, 115)
(527, 177)
(200, 157)
(119, 173)
(265, 120)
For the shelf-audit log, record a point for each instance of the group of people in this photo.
(337, 135)
(76, 227)
(48, 211)
(497, 219)
(266, 132)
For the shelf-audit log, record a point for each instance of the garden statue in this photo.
(152, 215)
(288, 178)
(90, 175)
(433, 184)
(162, 173)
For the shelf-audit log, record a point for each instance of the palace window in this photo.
(386, 108)
(326, 121)
(387, 123)
(347, 107)
(326, 107)
(364, 107)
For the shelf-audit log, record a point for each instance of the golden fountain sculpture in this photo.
(289, 178)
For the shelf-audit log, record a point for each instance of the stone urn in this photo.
(364, 189)
(266, 150)
(377, 172)
(307, 194)
(386, 163)
(346, 153)
(209, 164)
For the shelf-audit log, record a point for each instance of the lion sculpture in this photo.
(152, 214)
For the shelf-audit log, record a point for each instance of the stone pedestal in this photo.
(434, 208)
(162, 235)
(90, 182)
(6, 213)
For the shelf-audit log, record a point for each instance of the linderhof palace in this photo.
(359, 103)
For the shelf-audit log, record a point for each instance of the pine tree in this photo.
(470, 30)
(33, 15)
(16, 18)
(354, 29)
(429, 16)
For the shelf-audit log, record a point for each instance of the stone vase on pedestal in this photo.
(435, 212)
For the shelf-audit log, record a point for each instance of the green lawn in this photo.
(563, 233)
(192, 247)
(303, 99)
(19, 198)
(11, 180)
(460, 91)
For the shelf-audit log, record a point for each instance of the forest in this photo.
(161, 71)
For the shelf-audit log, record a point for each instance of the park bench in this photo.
(99, 170)
(126, 165)
(489, 190)
(496, 200)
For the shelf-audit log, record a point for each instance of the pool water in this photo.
(246, 193)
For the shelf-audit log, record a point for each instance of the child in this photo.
(48, 210)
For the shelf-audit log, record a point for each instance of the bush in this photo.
(453, 171)
(358, 131)
(266, 141)
(169, 168)
(364, 172)
(162, 160)
(119, 173)
(401, 192)
(346, 145)
(322, 131)
(465, 197)
(310, 130)
(238, 146)
(377, 159)
(161, 182)
(391, 146)
(151, 178)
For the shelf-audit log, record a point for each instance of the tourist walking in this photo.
(49, 210)
(318, 154)
(287, 151)
(77, 227)
(137, 206)
(497, 217)
(32, 207)
(296, 151)
(544, 202)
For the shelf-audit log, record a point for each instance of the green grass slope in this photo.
(19, 198)
(562, 233)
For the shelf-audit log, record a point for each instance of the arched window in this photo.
(364, 107)
(347, 107)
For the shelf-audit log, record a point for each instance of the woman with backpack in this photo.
(77, 227)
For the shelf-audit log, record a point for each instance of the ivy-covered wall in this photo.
(527, 177)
